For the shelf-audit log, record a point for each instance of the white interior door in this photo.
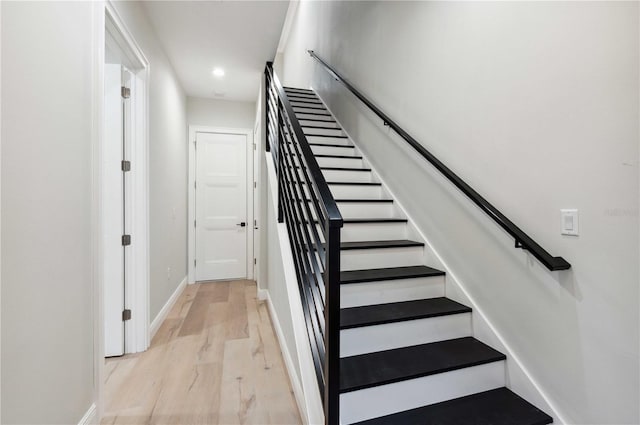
(113, 211)
(221, 206)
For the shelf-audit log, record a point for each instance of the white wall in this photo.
(47, 317)
(535, 104)
(220, 113)
(167, 162)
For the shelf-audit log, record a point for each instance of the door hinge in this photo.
(126, 240)
(126, 166)
(195, 185)
(254, 146)
(255, 261)
(126, 315)
(125, 92)
(255, 185)
(194, 223)
(194, 263)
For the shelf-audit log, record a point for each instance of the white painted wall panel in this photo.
(47, 304)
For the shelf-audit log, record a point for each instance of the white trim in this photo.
(296, 386)
(0, 203)
(286, 27)
(164, 311)
(454, 281)
(191, 237)
(262, 294)
(98, 51)
(137, 270)
(89, 417)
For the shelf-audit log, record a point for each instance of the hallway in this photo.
(214, 360)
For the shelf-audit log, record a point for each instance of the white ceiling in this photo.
(238, 36)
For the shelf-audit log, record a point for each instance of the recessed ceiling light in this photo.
(218, 72)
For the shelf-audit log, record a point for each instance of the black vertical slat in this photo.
(332, 324)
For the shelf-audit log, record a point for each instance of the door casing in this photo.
(107, 20)
(191, 250)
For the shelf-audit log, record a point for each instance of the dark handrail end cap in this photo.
(559, 263)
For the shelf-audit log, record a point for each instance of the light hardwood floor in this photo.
(214, 360)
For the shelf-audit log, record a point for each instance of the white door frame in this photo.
(106, 18)
(191, 238)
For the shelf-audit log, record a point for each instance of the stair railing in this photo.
(522, 240)
(313, 221)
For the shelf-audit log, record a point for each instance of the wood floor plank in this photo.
(214, 360)
(237, 320)
(220, 290)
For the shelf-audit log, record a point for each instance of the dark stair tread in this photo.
(338, 156)
(400, 364)
(320, 127)
(357, 201)
(370, 315)
(374, 220)
(494, 407)
(368, 220)
(379, 244)
(332, 145)
(315, 120)
(348, 246)
(310, 107)
(355, 183)
(345, 169)
(310, 113)
(388, 273)
(334, 136)
(298, 89)
(374, 201)
(351, 183)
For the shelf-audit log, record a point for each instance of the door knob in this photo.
(241, 224)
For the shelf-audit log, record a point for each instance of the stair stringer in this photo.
(517, 376)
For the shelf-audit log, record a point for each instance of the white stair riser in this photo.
(357, 259)
(391, 291)
(324, 131)
(347, 176)
(383, 400)
(373, 231)
(309, 110)
(329, 140)
(340, 162)
(356, 191)
(317, 123)
(370, 339)
(367, 209)
(304, 102)
(317, 118)
(332, 150)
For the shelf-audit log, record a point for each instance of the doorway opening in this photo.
(221, 213)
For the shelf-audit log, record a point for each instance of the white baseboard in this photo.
(89, 417)
(263, 294)
(155, 323)
(296, 385)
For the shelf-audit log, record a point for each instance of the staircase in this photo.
(407, 353)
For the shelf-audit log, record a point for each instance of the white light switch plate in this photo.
(569, 222)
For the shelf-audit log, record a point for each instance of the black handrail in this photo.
(307, 206)
(522, 240)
